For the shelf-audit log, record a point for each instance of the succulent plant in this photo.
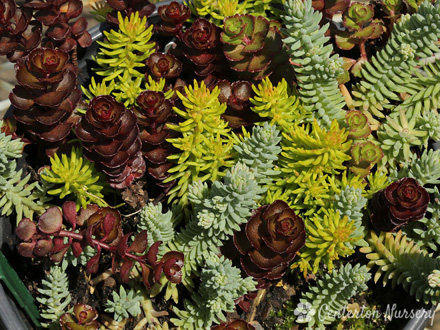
(251, 43)
(172, 17)
(361, 26)
(402, 261)
(200, 44)
(350, 202)
(101, 229)
(329, 237)
(310, 147)
(268, 242)
(221, 284)
(315, 66)
(397, 135)
(46, 94)
(430, 123)
(164, 65)
(364, 156)
(206, 142)
(154, 113)
(217, 213)
(122, 55)
(83, 317)
(278, 104)
(401, 202)
(10, 149)
(123, 304)
(75, 176)
(55, 295)
(332, 291)
(110, 137)
(18, 33)
(357, 122)
(126, 8)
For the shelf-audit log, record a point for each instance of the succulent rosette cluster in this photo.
(83, 317)
(172, 18)
(238, 324)
(19, 34)
(127, 7)
(400, 203)
(46, 94)
(165, 66)
(110, 137)
(201, 46)
(251, 45)
(153, 112)
(269, 241)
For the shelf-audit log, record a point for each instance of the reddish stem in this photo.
(363, 51)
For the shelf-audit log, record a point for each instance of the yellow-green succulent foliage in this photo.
(75, 177)
(329, 237)
(279, 104)
(401, 261)
(119, 58)
(206, 142)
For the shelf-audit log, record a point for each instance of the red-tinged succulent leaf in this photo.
(26, 249)
(372, 31)
(358, 15)
(151, 256)
(140, 243)
(63, 89)
(251, 269)
(147, 275)
(123, 245)
(164, 65)
(77, 248)
(344, 41)
(58, 32)
(108, 227)
(93, 264)
(80, 26)
(21, 98)
(356, 69)
(42, 247)
(26, 229)
(74, 9)
(238, 324)
(253, 227)
(357, 122)
(202, 35)
(59, 255)
(85, 214)
(85, 313)
(265, 258)
(157, 272)
(173, 264)
(175, 13)
(69, 212)
(336, 6)
(51, 221)
(125, 270)
(318, 4)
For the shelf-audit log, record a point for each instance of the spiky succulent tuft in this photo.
(329, 237)
(259, 151)
(206, 142)
(401, 261)
(120, 57)
(278, 104)
(74, 175)
(55, 295)
(9, 149)
(331, 294)
(160, 226)
(350, 203)
(221, 284)
(124, 304)
(217, 213)
(317, 69)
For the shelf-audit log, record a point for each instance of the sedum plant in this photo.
(316, 68)
(221, 284)
(55, 296)
(75, 176)
(124, 304)
(401, 261)
(331, 294)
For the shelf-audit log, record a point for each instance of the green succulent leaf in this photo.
(357, 122)
(358, 15)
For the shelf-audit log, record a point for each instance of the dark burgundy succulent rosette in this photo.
(153, 112)
(236, 96)
(46, 94)
(268, 242)
(19, 34)
(401, 202)
(110, 136)
(201, 46)
(172, 18)
(128, 7)
(164, 65)
(62, 33)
